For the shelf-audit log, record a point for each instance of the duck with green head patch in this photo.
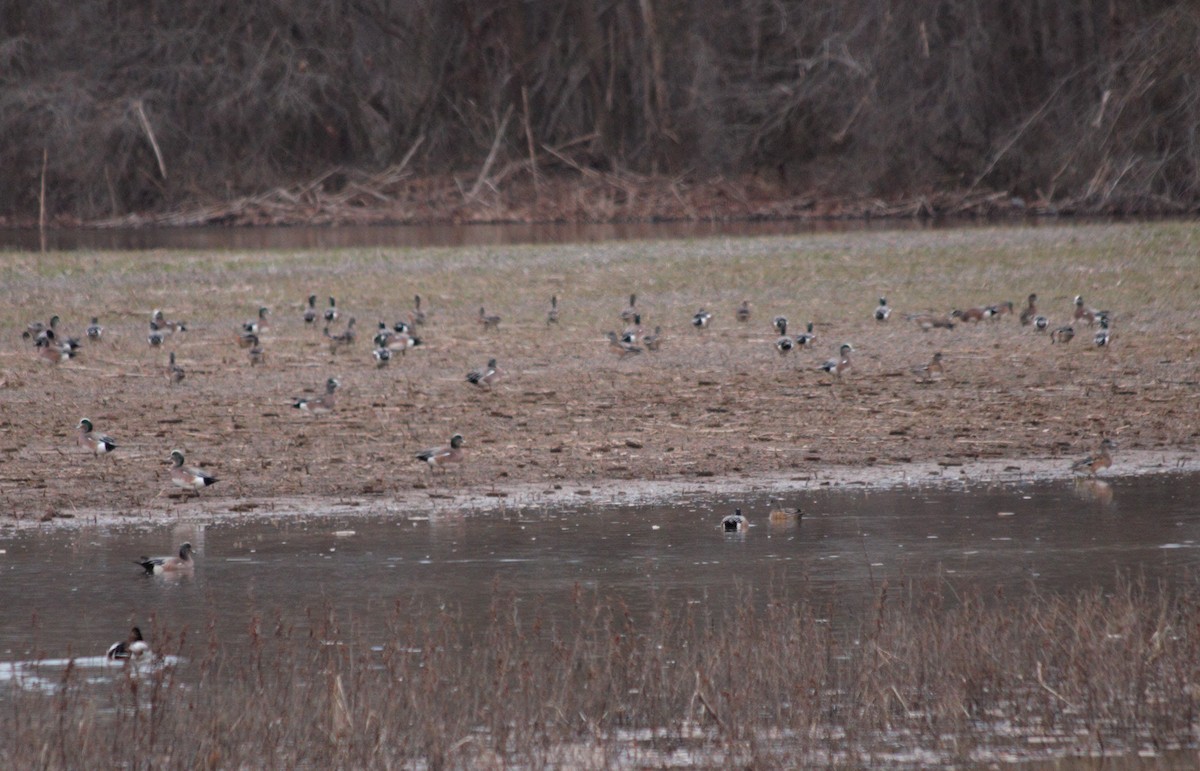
(96, 442)
(322, 404)
(189, 477)
(133, 647)
(440, 456)
(172, 564)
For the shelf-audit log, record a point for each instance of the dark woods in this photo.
(149, 106)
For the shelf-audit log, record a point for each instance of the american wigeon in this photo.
(621, 348)
(633, 332)
(489, 321)
(161, 321)
(174, 372)
(258, 325)
(402, 341)
(331, 313)
(883, 310)
(931, 371)
(1100, 459)
(781, 324)
(64, 341)
(132, 647)
(1041, 323)
(742, 313)
(970, 314)
(1030, 312)
(1082, 313)
(402, 328)
(734, 523)
(96, 442)
(552, 314)
(94, 331)
(485, 377)
(310, 313)
(382, 357)
(246, 339)
(321, 404)
(49, 350)
(628, 313)
(653, 340)
(928, 321)
(841, 363)
(1103, 335)
(189, 477)
(418, 316)
(1062, 335)
(173, 564)
(785, 517)
(701, 318)
(807, 337)
(784, 343)
(344, 338)
(1004, 308)
(157, 335)
(439, 456)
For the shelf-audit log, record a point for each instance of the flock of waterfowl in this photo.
(53, 346)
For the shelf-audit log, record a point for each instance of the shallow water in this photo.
(74, 592)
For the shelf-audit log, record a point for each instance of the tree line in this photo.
(146, 105)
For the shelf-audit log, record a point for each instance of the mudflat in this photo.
(570, 410)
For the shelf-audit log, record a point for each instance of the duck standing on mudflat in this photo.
(188, 477)
(1030, 312)
(883, 310)
(485, 377)
(96, 442)
(841, 364)
(322, 404)
(439, 456)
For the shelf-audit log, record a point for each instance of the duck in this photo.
(247, 339)
(1003, 308)
(401, 342)
(63, 340)
(172, 564)
(1091, 464)
(321, 404)
(485, 377)
(785, 517)
(157, 335)
(701, 318)
(98, 443)
(807, 337)
(331, 313)
(174, 372)
(931, 371)
(842, 363)
(382, 357)
(1062, 334)
(1082, 312)
(439, 456)
(1102, 336)
(781, 324)
(883, 310)
(734, 523)
(188, 477)
(384, 335)
(628, 313)
(132, 647)
(310, 313)
(622, 348)
(1040, 323)
(742, 313)
(488, 321)
(401, 328)
(344, 338)
(94, 331)
(634, 331)
(928, 321)
(259, 324)
(653, 340)
(552, 314)
(418, 315)
(49, 350)
(784, 343)
(1030, 312)
(970, 314)
(157, 317)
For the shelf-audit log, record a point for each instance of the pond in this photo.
(67, 592)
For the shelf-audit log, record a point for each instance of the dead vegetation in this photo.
(468, 111)
(925, 678)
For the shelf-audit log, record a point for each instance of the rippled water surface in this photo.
(73, 592)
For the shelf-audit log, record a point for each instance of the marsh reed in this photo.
(926, 677)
